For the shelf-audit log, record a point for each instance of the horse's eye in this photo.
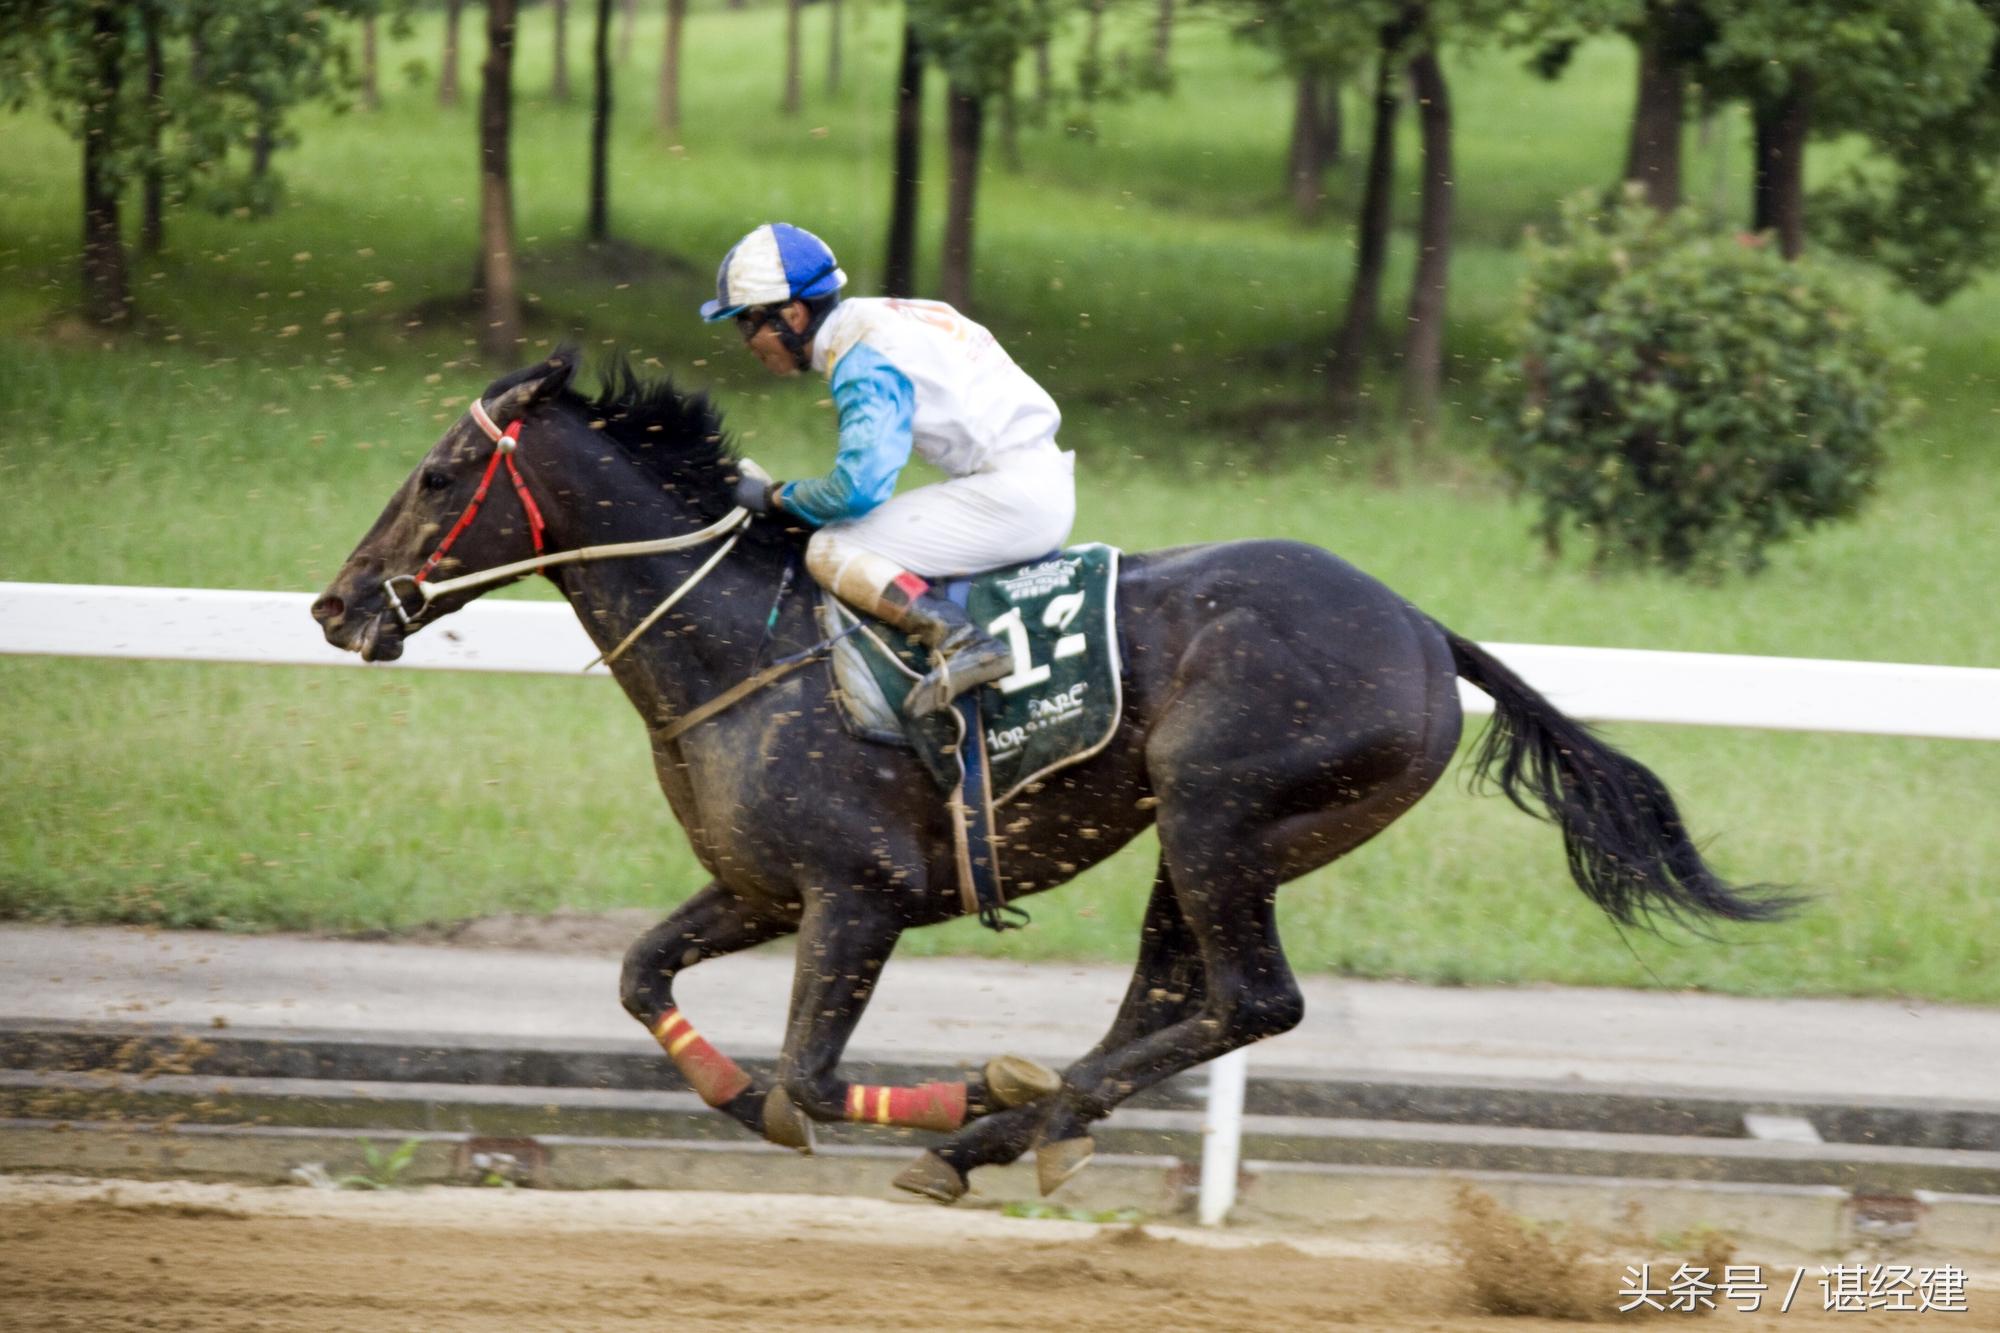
(435, 480)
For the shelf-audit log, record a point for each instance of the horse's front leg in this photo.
(711, 924)
(1166, 986)
(845, 938)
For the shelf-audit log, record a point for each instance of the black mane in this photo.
(675, 438)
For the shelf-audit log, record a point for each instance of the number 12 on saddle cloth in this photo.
(1059, 705)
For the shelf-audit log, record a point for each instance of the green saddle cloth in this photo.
(1060, 704)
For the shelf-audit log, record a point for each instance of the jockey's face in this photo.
(760, 334)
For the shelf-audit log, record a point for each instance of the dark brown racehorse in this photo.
(1281, 708)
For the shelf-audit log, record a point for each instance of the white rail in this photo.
(1600, 684)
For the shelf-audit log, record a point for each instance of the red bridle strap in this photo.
(504, 442)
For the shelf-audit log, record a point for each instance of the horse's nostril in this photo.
(328, 608)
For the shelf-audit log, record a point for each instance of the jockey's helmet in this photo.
(775, 263)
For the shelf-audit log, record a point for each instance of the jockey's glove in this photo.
(755, 494)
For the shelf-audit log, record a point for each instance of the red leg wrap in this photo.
(939, 1106)
(708, 1071)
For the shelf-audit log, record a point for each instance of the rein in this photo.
(505, 442)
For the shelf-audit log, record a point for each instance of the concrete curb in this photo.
(1389, 1203)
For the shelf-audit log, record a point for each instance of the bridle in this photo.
(505, 442)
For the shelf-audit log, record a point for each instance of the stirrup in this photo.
(979, 664)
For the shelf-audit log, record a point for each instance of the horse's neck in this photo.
(699, 648)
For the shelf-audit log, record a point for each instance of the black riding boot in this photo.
(964, 656)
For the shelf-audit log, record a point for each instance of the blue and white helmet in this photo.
(776, 262)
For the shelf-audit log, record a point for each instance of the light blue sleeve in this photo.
(877, 405)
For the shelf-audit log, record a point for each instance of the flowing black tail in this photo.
(1628, 849)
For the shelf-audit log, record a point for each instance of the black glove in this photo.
(756, 494)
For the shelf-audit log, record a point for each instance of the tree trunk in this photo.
(1305, 163)
(834, 15)
(628, 19)
(899, 276)
(371, 82)
(1423, 344)
(965, 113)
(107, 291)
(670, 68)
(1090, 69)
(1653, 158)
(1010, 126)
(794, 95)
(1332, 130)
(152, 217)
(599, 225)
(448, 71)
(263, 139)
(1778, 191)
(559, 85)
(1163, 44)
(1045, 80)
(501, 334)
(1364, 298)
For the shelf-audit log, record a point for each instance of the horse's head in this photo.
(462, 509)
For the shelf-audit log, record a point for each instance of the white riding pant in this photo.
(1021, 507)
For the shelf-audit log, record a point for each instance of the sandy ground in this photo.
(108, 1256)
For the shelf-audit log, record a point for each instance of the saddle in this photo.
(1060, 705)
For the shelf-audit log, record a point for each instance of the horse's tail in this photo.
(1628, 849)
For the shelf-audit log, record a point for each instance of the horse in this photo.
(1280, 708)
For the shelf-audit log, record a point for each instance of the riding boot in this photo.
(963, 654)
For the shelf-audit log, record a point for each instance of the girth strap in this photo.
(742, 689)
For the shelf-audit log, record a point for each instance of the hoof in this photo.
(1056, 1164)
(1012, 1081)
(932, 1177)
(785, 1124)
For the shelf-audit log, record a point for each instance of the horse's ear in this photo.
(534, 386)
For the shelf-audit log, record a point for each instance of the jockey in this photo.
(905, 375)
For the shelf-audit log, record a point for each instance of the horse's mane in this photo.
(675, 438)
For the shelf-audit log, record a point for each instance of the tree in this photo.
(1880, 68)
(793, 98)
(1315, 141)
(371, 83)
(899, 274)
(153, 187)
(1670, 37)
(559, 82)
(1929, 211)
(107, 71)
(1423, 339)
(500, 298)
(976, 43)
(598, 226)
(1348, 356)
(448, 63)
(669, 110)
(1320, 48)
(834, 16)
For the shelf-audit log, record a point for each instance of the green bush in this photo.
(1684, 396)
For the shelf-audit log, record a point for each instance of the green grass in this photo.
(290, 370)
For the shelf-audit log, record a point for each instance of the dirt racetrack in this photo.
(107, 1256)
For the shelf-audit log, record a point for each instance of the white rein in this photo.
(727, 524)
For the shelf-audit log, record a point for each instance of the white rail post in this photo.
(1222, 1135)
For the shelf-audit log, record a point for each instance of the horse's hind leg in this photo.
(1247, 802)
(1166, 985)
(710, 924)
(845, 939)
